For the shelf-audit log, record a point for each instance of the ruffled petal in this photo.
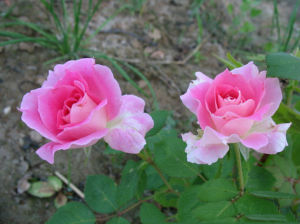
(127, 131)
(47, 151)
(31, 116)
(207, 149)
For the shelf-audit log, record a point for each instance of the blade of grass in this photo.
(290, 27)
(11, 34)
(225, 62)
(56, 59)
(91, 13)
(32, 26)
(105, 22)
(276, 21)
(41, 41)
(141, 75)
(76, 14)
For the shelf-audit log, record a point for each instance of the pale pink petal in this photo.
(272, 95)
(207, 150)
(82, 109)
(127, 131)
(47, 151)
(276, 139)
(201, 78)
(255, 141)
(239, 126)
(96, 121)
(31, 116)
(249, 70)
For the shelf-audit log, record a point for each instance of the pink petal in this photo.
(127, 131)
(276, 140)
(249, 70)
(243, 109)
(211, 147)
(239, 126)
(96, 121)
(272, 95)
(31, 116)
(47, 151)
(50, 102)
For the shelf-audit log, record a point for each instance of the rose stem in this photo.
(239, 167)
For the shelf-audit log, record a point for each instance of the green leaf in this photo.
(159, 117)
(41, 189)
(55, 182)
(249, 205)
(170, 157)
(118, 220)
(154, 181)
(283, 65)
(259, 179)
(214, 210)
(128, 186)
(187, 202)
(150, 214)
(100, 193)
(217, 190)
(272, 194)
(255, 12)
(259, 217)
(166, 199)
(73, 213)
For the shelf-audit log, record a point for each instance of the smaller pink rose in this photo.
(234, 107)
(79, 104)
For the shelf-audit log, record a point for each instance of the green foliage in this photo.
(73, 213)
(283, 65)
(101, 194)
(130, 182)
(150, 214)
(159, 117)
(170, 157)
(118, 220)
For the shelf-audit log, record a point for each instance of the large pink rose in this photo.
(79, 104)
(234, 107)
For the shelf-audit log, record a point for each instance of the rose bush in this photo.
(79, 104)
(234, 107)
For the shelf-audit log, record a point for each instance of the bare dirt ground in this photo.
(154, 41)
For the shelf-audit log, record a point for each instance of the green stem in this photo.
(239, 167)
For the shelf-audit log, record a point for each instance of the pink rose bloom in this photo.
(234, 107)
(79, 104)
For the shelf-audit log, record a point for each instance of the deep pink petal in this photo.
(47, 151)
(96, 121)
(127, 131)
(50, 102)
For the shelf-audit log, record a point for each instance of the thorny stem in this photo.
(146, 157)
(239, 167)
